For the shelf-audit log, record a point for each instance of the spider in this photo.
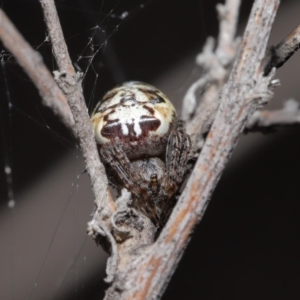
(143, 143)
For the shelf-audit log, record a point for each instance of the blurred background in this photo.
(248, 244)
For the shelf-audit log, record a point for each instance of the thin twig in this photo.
(246, 90)
(288, 115)
(32, 63)
(60, 49)
(228, 16)
(216, 64)
(70, 82)
(221, 57)
(210, 84)
(279, 54)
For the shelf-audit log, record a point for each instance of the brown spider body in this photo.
(142, 142)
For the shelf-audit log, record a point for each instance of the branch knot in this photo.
(68, 82)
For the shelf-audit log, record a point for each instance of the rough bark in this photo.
(140, 266)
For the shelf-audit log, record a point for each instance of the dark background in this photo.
(247, 246)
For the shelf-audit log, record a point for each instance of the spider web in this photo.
(43, 224)
(45, 196)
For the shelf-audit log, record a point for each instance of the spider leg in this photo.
(177, 153)
(178, 149)
(117, 159)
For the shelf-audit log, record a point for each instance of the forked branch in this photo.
(216, 64)
(146, 274)
(246, 89)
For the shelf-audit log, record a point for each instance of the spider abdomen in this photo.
(137, 116)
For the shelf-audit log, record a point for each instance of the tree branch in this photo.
(70, 83)
(288, 115)
(60, 49)
(33, 65)
(124, 240)
(214, 76)
(246, 89)
(228, 16)
(143, 268)
(279, 54)
(216, 65)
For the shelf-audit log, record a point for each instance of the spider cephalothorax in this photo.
(142, 141)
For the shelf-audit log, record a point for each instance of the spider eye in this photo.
(157, 99)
